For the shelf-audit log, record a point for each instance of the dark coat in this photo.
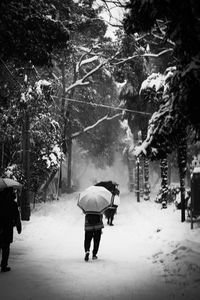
(93, 222)
(111, 211)
(9, 217)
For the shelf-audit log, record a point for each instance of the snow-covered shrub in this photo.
(14, 172)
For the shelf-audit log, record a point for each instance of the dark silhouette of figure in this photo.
(112, 210)
(9, 218)
(93, 231)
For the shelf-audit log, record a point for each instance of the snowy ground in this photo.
(148, 254)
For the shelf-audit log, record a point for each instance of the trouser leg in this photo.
(111, 219)
(88, 238)
(97, 238)
(112, 216)
(5, 255)
(109, 216)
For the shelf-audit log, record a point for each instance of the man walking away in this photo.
(9, 217)
(93, 231)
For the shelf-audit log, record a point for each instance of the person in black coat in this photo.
(9, 218)
(93, 231)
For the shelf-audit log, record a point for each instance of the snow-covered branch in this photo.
(89, 60)
(90, 51)
(83, 61)
(76, 134)
(82, 81)
(161, 38)
(79, 82)
(142, 149)
(145, 55)
(115, 3)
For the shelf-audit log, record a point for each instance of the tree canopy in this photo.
(29, 30)
(179, 23)
(56, 34)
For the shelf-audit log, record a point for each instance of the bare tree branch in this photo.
(116, 3)
(145, 55)
(82, 81)
(76, 134)
(161, 38)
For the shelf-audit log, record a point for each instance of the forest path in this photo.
(47, 259)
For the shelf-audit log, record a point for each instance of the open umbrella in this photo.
(94, 199)
(8, 182)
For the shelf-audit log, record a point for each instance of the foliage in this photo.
(133, 70)
(131, 74)
(85, 22)
(179, 109)
(87, 41)
(29, 31)
(45, 37)
(101, 141)
(183, 31)
(44, 133)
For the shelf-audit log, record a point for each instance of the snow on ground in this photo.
(148, 254)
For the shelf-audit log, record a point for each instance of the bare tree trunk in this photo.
(64, 147)
(25, 194)
(2, 154)
(44, 187)
(138, 168)
(147, 187)
(164, 190)
(69, 164)
(130, 165)
(182, 163)
(169, 169)
(25, 197)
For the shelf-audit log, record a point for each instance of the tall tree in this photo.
(184, 33)
(29, 31)
(87, 79)
(179, 110)
(35, 22)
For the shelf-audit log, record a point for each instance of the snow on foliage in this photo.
(9, 172)
(183, 34)
(128, 139)
(41, 83)
(55, 125)
(161, 120)
(141, 149)
(120, 86)
(57, 151)
(196, 170)
(155, 80)
(52, 160)
(28, 95)
(14, 172)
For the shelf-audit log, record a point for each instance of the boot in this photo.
(87, 256)
(5, 269)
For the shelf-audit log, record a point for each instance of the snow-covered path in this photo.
(148, 254)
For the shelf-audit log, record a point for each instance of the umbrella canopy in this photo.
(112, 187)
(94, 199)
(109, 185)
(8, 182)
